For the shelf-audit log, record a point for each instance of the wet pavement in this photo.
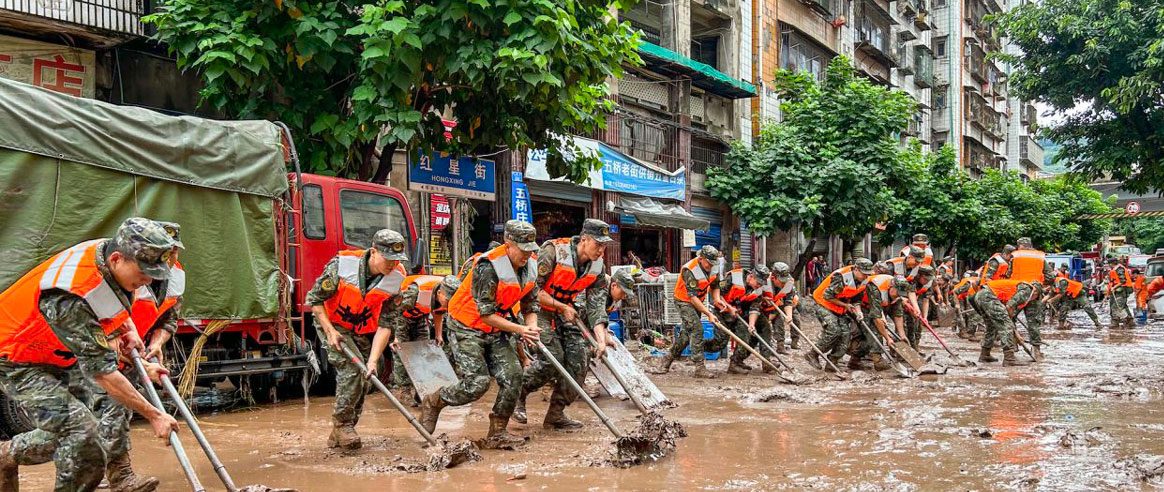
(1089, 418)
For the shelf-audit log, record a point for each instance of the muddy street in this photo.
(1088, 418)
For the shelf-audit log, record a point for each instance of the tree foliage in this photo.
(1102, 63)
(355, 78)
(1146, 233)
(830, 165)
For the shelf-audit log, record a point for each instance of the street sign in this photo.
(1132, 207)
(457, 176)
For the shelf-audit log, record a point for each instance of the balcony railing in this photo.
(874, 34)
(824, 7)
(119, 17)
(650, 140)
(706, 153)
(906, 62)
(975, 61)
(923, 62)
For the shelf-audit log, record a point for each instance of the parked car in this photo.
(1155, 268)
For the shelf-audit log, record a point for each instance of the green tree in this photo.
(1146, 233)
(830, 165)
(354, 80)
(1101, 62)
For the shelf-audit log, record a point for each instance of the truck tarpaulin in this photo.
(73, 169)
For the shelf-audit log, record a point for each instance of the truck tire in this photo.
(13, 419)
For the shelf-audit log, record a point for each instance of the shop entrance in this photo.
(648, 244)
(554, 220)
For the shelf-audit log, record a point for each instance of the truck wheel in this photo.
(13, 419)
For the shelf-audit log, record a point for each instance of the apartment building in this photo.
(1024, 154)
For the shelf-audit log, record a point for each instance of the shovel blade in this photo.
(643, 387)
(427, 366)
(909, 355)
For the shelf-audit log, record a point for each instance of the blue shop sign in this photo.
(467, 177)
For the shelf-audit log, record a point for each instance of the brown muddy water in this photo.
(1089, 418)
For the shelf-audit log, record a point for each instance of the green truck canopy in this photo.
(73, 169)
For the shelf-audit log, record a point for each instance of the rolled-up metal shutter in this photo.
(746, 246)
(713, 234)
(559, 190)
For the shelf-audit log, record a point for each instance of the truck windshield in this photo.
(1155, 269)
(365, 213)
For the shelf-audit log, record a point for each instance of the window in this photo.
(940, 47)
(940, 98)
(799, 54)
(314, 226)
(365, 213)
(939, 4)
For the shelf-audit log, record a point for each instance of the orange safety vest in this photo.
(945, 270)
(738, 291)
(929, 258)
(1149, 290)
(883, 283)
(1003, 266)
(925, 288)
(1028, 265)
(776, 296)
(1115, 278)
(146, 309)
(25, 336)
(564, 283)
(350, 309)
(1138, 282)
(899, 268)
(468, 265)
(1006, 288)
(973, 289)
(1073, 288)
(705, 281)
(851, 290)
(463, 308)
(427, 286)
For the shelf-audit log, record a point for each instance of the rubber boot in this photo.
(768, 368)
(743, 364)
(430, 411)
(812, 359)
(406, 396)
(795, 344)
(519, 411)
(780, 347)
(1009, 359)
(736, 368)
(836, 363)
(662, 365)
(1037, 352)
(344, 436)
(985, 356)
(121, 477)
(9, 471)
(701, 371)
(879, 363)
(499, 437)
(556, 419)
(856, 364)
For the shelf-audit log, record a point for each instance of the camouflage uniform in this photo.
(350, 383)
(1118, 301)
(1066, 303)
(836, 329)
(999, 324)
(479, 355)
(564, 339)
(406, 330)
(777, 323)
(78, 425)
(861, 346)
(913, 327)
(691, 326)
(992, 266)
(971, 320)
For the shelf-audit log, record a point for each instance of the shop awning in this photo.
(704, 76)
(652, 212)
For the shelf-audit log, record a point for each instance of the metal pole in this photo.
(180, 452)
(577, 388)
(617, 376)
(359, 362)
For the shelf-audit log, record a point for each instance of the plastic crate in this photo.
(708, 334)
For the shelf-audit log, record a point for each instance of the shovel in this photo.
(449, 456)
(907, 353)
(901, 371)
(836, 371)
(1023, 343)
(179, 451)
(754, 352)
(630, 391)
(653, 439)
(776, 356)
(957, 360)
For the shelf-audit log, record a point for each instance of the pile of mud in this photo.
(783, 394)
(654, 438)
(1143, 468)
(264, 488)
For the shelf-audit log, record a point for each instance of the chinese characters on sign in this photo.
(441, 212)
(457, 176)
(520, 199)
(54, 67)
(619, 172)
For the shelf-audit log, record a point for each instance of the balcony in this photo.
(673, 65)
(1030, 152)
(706, 152)
(874, 33)
(1029, 116)
(923, 62)
(905, 64)
(822, 7)
(641, 137)
(975, 61)
(101, 22)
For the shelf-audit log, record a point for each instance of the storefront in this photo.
(558, 208)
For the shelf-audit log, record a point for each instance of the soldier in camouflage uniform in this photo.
(781, 294)
(478, 320)
(348, 301)
(877, 304)
(970, 319)
(746, 305)
(62, 328)
(1035, 310)
(999, 262)
(697, 278)
(1000, 301)
(570, 270)
(1120, 284)
(1070, 294)
(922, 288)
(406, 310)
(838, 297)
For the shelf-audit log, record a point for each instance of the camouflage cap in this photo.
(450, 284)
(882, 267)
(921, 238)
(917, 252)
(147, 242)
(1008, 249)
(762, 272)
(175, 231)
(1024, 242)
(863, 265)
(597, 229)
(925, 270)
(781, 269)
(947, 259)
(390, 244)
(708, 252)
(623, 279)
(1063, 267)
(523, 234)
